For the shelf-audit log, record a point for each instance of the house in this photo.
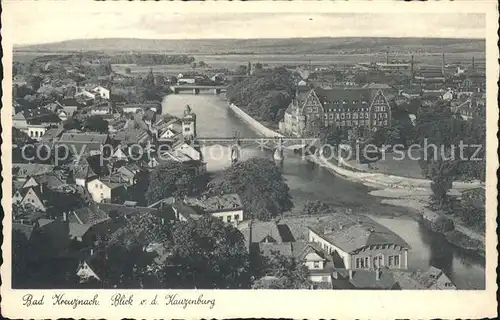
(430, 74)
(52, 135)
(85, 95)
(83, 221)
(66, 112)
(102, 92)
(19, 121)
(83, 143)
(30, 198)
(344, 108)
(182, 80)
(92, 268)
(101, 110)
(262, 238)
(198, 166)
(430, 279)
(22, 171)
(362, 244)
(133, 108)
(227, 207)
(105, 190)
(187, 149)
(471, 109)
(320, 266)
(47, 181)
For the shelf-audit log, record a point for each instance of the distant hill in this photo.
(264, 46)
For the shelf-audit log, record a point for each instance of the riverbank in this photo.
(409, 193)
(413, 194)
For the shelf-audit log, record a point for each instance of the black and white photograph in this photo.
(200, 150)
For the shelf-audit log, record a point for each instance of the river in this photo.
(308, 181)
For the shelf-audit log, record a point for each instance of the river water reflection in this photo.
(309, 181)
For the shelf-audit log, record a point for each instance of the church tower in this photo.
(189, 124)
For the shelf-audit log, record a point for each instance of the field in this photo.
(235, 60)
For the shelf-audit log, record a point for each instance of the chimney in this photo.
(91, 251)
(351, 274)
(162, 220)
(65, 216)
(378, 273)
(473, 64)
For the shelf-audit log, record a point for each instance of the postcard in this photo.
(249, 159)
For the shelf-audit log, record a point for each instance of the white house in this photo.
(188, 150)
(227, 207)
(85, 94)
(105, 191)
(103, 92)
(362, 245)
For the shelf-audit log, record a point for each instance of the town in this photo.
(111, 190)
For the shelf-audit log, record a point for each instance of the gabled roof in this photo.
(52, 133)
(90, 215)
(26, 169)
(25, 229)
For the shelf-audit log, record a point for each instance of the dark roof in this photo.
(285, 233)
(367, 279)
(125, 210)
(268, 248)
(25, 169)
(49, 180)
(25, 229)
(89, 215)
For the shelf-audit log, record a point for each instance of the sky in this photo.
(53, 21)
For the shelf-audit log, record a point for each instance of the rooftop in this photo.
(357, 232)
(226, 202)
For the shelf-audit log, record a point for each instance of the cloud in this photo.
(50, 22)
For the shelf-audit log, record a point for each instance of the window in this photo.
(385, 122)
(348, 122)
(367, 116)
(385, 115)
(316, 264)
(102, 195)
(348, 116)
(362, 263)
(326, 116)
(354, 122)
(342, 123)
(331, 115)
(354, 115)
(186, 129)
(378, 261)
(337, 116)
(325, 279)
(228, 218)
(342, 116)
(361, 115)
(374, 122)
(236, 217)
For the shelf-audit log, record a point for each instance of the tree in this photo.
(261, 186)
(202, 64)
(194, 65)
(128, 70)
(35, 82)
(72, 123)
(170, 179)
(20, 137)
(284, 272)
(96, 124)
(206, 254)
(316, 207)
